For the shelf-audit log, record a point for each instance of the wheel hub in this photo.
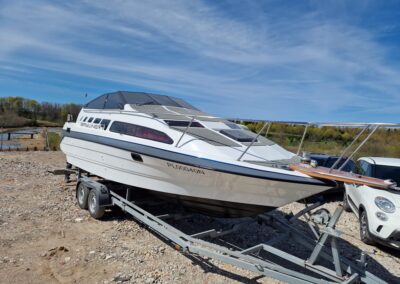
(81, 195)
(93, 205)
(363, 225)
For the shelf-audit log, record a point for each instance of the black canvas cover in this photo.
(117, 100)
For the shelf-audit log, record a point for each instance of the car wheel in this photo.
(365, 235)
(346, 205)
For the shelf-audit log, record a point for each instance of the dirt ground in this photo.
(46, 238)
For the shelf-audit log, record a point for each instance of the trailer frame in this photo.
(345, 271)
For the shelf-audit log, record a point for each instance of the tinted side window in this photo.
(320, 161)
(90, 119)
(232, 125)
(104, 123)
(97, 120)
(365, 168)
(238, 135)
(182, 123)
(140, 132)
(85, 119)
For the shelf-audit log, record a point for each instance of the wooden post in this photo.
(47, 140)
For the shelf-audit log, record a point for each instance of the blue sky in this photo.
(283, 60)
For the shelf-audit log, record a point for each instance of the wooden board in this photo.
(336, 175)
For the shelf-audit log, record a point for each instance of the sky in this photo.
(280, 60)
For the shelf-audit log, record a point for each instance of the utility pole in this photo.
(47, 140)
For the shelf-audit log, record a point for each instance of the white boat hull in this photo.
(187, 182)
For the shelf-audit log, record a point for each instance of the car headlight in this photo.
(385, 204)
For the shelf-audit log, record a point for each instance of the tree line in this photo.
(332, 140)
(19, 111)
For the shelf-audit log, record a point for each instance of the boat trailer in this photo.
(324, 264)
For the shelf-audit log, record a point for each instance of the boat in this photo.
(170, 148)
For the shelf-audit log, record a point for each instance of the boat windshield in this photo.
(388, 172)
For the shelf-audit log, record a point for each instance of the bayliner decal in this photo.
(185, 168)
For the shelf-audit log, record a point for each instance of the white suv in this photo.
(378, 210)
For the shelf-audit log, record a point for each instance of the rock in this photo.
(122, 278)
(108, 257)
(161, 249)
(78, 220)
(92, 252)
(67, 259)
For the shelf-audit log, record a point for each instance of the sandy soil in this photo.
(46, 238)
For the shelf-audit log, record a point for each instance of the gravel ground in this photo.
(46, 238)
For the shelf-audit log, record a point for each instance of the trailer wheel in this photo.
(94, 208)
(82, 193)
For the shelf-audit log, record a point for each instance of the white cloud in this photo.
(195, 49)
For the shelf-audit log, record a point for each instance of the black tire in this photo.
(346, 205)
(365, 235)
(82, 193)
(93, 205)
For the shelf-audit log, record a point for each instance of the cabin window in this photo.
(104, 123)
(90, 119)
(238, 135)
(183, 123)
(140, 132)
(85, 119)
(232, 125)
(97, 120)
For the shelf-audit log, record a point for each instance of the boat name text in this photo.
(185, 168)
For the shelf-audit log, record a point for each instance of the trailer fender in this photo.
(102, 192)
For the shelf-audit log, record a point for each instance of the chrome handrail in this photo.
(348, 147)
(187, 128)
(253, 141)
(359, 147)
(302, 140)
